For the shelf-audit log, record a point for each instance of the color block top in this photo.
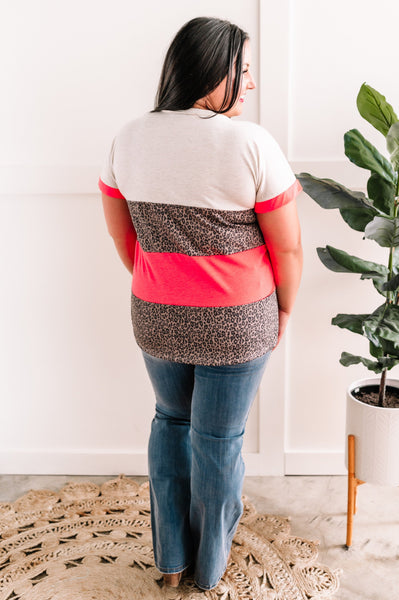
(203, 290)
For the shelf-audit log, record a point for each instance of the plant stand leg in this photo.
(353, 482)
(355, 503)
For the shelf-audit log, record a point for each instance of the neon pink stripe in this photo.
(110, 191)
(280, 200)
(217, 280)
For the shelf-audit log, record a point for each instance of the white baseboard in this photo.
(315, 463)
(48, 462)
(25, 462)
(257, 465)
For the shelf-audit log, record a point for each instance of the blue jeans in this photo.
(196, 469)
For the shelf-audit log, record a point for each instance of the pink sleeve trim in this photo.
(280, 200)
(110, 191)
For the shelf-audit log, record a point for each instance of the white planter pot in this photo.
(376, 432)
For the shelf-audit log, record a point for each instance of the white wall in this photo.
(74, 394)
(76, 72)
(333, 49)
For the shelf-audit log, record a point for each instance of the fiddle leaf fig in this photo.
(393, 145)
(375, 109)
(377, 216)
(363, 154)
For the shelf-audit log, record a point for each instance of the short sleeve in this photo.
(107, 182)
(276, 183)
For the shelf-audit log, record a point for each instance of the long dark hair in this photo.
(203, 52)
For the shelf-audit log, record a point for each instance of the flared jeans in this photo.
(196, 470)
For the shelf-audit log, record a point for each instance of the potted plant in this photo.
(373, 403)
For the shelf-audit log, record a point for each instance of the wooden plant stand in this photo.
(353, 482)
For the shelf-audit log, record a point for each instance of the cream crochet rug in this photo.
(90, 542)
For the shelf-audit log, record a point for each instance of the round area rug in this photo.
(90, 542)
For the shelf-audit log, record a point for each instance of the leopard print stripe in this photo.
(206, 336)
(194, 231)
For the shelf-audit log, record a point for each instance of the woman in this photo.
(201, 209)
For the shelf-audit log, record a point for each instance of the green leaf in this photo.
(382, 193)
(388, 362)
(389, 349)
(381, 328)
(355, 208)
(384, 230)
(375, 351)
(352, 322)
(330, 194)
(383, 325)
(342, 262)
(363, 154)
(392, 284)
(393, 145)
(395, 260)
(348, 359)
(375, 109)
(371, 324)
(378, 283)
(357, 218)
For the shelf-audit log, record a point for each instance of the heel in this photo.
(172, 579)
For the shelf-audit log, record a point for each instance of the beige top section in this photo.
(196, 158)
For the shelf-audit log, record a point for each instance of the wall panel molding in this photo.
(30, 180)
(274, 59)
(49, 179)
